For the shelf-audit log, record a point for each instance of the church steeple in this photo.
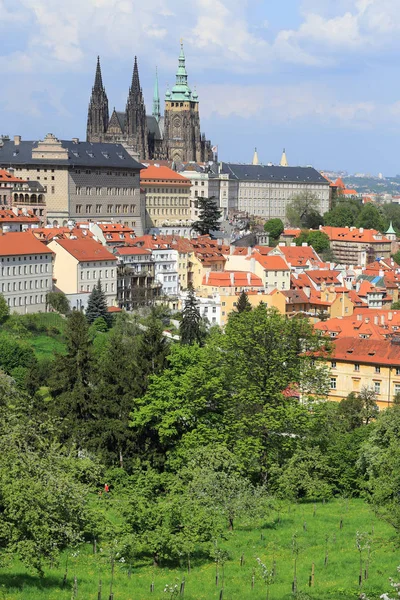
(135, 85)
(98, 116)
(156, 100)
(98, 82)
(136, 122)
(255, 157)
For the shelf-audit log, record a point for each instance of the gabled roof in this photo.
(271, 263)
(20, 243)
(298, 256)
(85, 249)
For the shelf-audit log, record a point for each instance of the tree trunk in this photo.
(156, 560)
(230, 523)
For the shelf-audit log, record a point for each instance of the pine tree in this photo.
(243, 303)
(209, 217)
(97, 305)
(70, 381)
(190, 328)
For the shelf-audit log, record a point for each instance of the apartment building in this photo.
(79, 264)
(26, 267)
(82, 180)
(357, 362)
(352, 246)
(17, 219)
(266, 190)
(136, 283)
(168, 200)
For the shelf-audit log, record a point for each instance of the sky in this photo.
(318, 77)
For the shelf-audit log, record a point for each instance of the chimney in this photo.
(367, 320)
(361, 230)
(249, 250)
(304, 245)
(248, 278)
(382, 319)
(75, 140)
(390, 316)
(207, 276)
(292, 245)
(232, 277)
(359, 317)
(376, 320)
(17, 140)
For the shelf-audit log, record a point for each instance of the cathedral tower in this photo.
(182, 137)
(97, 121)
(136, 123)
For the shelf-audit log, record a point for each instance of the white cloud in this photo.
(285, 104)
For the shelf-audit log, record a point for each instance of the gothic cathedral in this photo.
(175, 136)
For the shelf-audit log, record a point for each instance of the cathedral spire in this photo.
(284, 162)
(156, 99)
(98, 81)
(98, 116)
(135, 86)
(255, 157)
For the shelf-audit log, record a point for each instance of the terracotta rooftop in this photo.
(20, 243)
(85, 249)
(224, 279)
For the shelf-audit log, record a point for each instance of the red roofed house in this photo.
(26, 267)
(352, 246)
(167, 197)
(15, 219)
(79, 264)
(299, 258)
(357, 362)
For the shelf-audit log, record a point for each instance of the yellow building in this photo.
(358, 362)
(167, 197)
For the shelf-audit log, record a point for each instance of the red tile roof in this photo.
(271, 263)
(352, 234)
(19, 243)
(298, 256)
(132, 251)
(161, 175)
(7, 215)
(85, 249)
(375, 352)
(9, 177)
(240, 279)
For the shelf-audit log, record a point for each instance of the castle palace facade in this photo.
(176, 136)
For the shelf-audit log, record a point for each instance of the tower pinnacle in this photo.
(156, 99)
(255, 157)
(284, 162)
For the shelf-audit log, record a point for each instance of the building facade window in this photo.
(333, 383)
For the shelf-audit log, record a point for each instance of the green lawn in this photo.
(45, 346)
(339, 579)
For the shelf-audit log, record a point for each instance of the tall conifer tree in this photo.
(97, 305)
(190, 328)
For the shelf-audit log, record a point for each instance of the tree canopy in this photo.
(209, 216)
(274, 227)
(97, 305)
(303, 208)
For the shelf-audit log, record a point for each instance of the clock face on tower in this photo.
(176, 125)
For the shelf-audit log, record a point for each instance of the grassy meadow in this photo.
(271, 541)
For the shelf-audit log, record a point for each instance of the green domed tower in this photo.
(182, 136)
